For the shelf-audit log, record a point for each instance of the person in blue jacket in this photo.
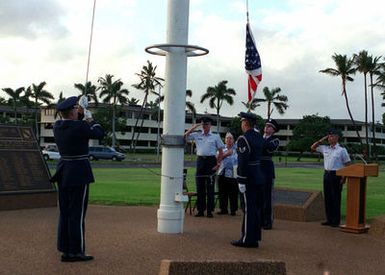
(271, 145)
(73, 175)
(250, 180)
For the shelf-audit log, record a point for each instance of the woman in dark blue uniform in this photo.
(73, 175)
(250, 181)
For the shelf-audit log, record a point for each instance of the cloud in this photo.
(31, 18)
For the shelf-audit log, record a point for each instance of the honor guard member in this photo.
(207, 144)
(271, 145)
(335, 157)
(250, 180)
(73, 175)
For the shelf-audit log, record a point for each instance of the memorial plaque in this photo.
(298, 205)
(291, 197)
(22, 167)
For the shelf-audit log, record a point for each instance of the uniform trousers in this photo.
(73, 203)
(253, 203)
(267, 212)
(228, 191)
(205, 183)
(332, 193)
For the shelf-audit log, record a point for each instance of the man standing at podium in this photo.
(335, 157)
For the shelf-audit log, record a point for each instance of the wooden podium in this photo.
(356, 175)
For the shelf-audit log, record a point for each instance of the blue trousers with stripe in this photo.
(73, 203)
(251, 224)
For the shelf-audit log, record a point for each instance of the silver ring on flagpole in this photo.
(163, 49)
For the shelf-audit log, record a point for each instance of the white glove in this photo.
(242, 188)
(87, 114)
(83, 102)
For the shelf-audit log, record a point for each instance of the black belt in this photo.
(206, 157)
(266, 158)
(256, 162)
(79, 157)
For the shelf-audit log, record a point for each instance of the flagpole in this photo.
(247, 18)
(247, 10)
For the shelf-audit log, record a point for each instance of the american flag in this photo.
(252, 64)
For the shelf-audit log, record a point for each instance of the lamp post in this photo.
(171, 211)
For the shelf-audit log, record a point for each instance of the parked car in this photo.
(104, 152)
(49, 154)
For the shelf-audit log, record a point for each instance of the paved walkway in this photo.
(124, 240)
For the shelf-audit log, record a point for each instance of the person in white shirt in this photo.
(208, 144)
(335, 157)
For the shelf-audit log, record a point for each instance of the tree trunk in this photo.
(113, 125)
(366, 114)
(36, 124)
(350, 113)
(268, 109)
(373, 122)
(218, 121)
(14, 111)
(136, 122)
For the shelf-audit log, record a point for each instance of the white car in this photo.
(48, 154)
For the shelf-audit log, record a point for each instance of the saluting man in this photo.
(270, 146)
(250, 180)
(208, 144)
(73, 175)
(335, 157)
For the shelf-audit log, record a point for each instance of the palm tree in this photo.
(362, 60)
(251, 105)
(217, 95)
(148, 82)
(344, 68)
(132, 101)
(2, 100)
(37, 93)
(88, 90)
(374, 69)
(112, 93)
(190, 106)
(15, 96)
(273, 98)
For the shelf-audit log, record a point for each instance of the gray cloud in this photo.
(31, 18)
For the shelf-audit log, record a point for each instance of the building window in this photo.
(143, 143)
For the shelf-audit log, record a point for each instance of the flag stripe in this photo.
(252, 64)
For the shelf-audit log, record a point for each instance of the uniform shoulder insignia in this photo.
(242, 149)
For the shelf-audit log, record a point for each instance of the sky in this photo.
(47, 40)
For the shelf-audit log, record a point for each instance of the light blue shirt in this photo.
(207, 145)
(334, 157)
(227, 165)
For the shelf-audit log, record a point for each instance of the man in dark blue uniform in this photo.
(270, 146)
(73, 175)
(208, 144)
(250, 180)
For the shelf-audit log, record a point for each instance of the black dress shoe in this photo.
(267, 227)
(233, 213)
(334, 225)
(200, 214)
(242, 244)
(210, 215)
(76, 258)
(325, 223)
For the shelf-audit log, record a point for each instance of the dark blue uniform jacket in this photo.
(72, 137)
(270, 146)
(249, 149)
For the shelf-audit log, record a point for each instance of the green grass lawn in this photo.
(140, 186)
